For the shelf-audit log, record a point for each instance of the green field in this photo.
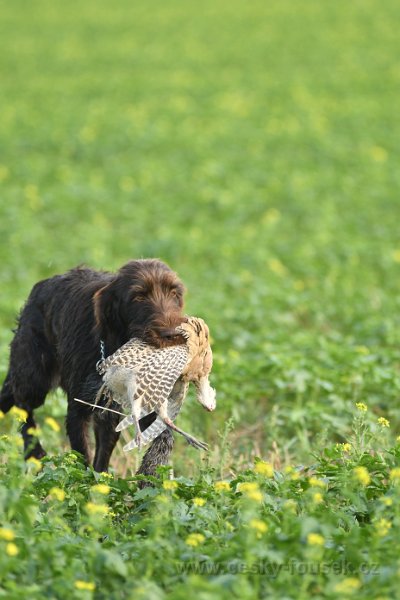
(254, 147)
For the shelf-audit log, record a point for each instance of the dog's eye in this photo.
(174, 293)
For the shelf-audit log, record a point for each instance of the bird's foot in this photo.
(195, 442)
(189, 438)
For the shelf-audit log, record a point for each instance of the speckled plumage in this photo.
(145, 379)
(155, 372)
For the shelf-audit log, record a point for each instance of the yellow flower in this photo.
(314, 482)
(290, 506)
(222, 486)
(195, 539)
(288, 469)
(259, 526)
(264, 468)
(87, 134)
(256, 496)
(394, 474)
(299, 285)
(270, 216)
(37, 465)
(361, 406)
(383, 422)
(12, 549)
(315, 539)
(378, 154)
(318, 498)
(33, 431)
(362, 349)
(295, 476)
(4, 172)
(277, 267)
(1, 415)
(17, 440)
(199, 501)
(344, 447)
(104, 474)
(382, 527)
(31, 192)
(71, 458)
(101, 488)
(251, 490)
(6, 534)
(169, 484)
(85, 585)
(248, 486)
(386, 501)
(97, 509)
(52, 423)
(348, 586)
(19, 413)
(362, 476)
(57, 494)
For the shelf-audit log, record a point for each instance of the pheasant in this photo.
(147, 379)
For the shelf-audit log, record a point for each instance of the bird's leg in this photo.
(136, 407)
(138, 436)
(163, 413)
(149, 434)
(131, 420)
(189, 438)
(99, 394)
(136, 404)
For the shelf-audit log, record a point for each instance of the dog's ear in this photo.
(108, 314)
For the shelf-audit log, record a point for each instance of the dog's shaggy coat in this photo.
(57, 343)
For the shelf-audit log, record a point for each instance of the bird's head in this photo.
(163, 333)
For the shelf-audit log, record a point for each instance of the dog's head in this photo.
(145, 300)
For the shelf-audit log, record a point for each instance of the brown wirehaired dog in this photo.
(58, 343)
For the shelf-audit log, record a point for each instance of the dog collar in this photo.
(102, 353)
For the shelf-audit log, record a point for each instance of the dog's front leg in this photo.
(106, 438)
(77, 422)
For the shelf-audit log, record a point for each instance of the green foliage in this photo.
(328, 530)
(253, 147)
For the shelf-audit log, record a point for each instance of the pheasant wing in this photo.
(156, 379)
(158, 374)
(130, 355)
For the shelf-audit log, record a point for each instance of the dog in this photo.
(67, 325)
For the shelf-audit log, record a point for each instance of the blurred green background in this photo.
(253, 147)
